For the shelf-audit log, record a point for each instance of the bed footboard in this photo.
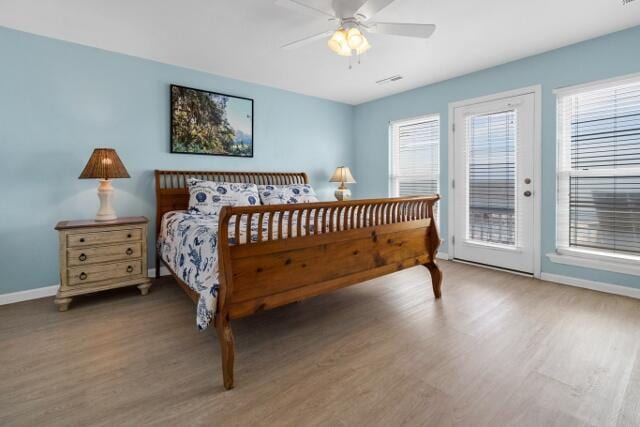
(274, 255)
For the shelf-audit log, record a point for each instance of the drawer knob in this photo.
(83, 276)
(129, 236)
(82, 257)
(82, 240)
(129, 269)
(129, 251)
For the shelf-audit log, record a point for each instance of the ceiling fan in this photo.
(353, 18)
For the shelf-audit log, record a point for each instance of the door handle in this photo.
(527, 193)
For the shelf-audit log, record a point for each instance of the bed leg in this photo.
(436, 278)
(225, 336)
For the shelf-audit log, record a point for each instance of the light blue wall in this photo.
(609, 56)
(60, 100)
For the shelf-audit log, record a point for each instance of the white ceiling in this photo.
(242, 38)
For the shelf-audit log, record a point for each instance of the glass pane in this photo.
(605, 128)
(604, 213)
(418, 172)
(491, 179)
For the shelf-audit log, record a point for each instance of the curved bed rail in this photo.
(286, 221)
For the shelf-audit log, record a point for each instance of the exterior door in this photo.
(493, 187)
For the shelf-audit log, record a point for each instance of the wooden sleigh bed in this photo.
(358, 240)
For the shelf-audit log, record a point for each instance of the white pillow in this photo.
(287, 194)
(207, 197)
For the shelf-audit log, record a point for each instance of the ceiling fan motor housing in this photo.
(349, 23)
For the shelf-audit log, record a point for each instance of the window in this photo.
(599, 170)
(491, 193)
(415, 157)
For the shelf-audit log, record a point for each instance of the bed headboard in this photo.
(172, 192)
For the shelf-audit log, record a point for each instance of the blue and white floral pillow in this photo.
(287, 194)
(207, 197)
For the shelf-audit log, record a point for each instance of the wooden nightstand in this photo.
(99, 255)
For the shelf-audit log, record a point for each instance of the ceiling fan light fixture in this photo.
(345, 52)
(365, 46)
(342, 42)
(337, 41)
(333, 45)
(355, 38)
(339, 44)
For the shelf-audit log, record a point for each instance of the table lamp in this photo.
(104, 165)
(343, 176)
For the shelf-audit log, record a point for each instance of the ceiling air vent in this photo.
(389, 80)
(625, 2)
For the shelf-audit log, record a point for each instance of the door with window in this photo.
(494, 184)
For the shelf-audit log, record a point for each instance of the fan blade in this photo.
(346, 8)
(306, 40)
(422, 31)
(301, 7)
(369, 9)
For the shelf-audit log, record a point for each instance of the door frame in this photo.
(536, 90)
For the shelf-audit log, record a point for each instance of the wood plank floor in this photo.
(498, 349)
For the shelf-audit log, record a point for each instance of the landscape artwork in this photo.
(204, 122)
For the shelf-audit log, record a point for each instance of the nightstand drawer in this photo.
(104, 237)
(93, 255)
(99, 272)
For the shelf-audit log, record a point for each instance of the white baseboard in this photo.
(593, 285)
(49, 291)
(10, 298)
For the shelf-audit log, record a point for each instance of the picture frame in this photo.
(210, 123)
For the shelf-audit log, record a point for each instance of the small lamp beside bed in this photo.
(343, 176)
(104, 164)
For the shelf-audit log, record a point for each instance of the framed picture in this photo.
(216, 124)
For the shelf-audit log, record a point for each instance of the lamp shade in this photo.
(342, 174)
(104, 163)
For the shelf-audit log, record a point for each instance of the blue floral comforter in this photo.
(188, 244)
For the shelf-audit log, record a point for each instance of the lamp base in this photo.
(342, 194)
(105, 194)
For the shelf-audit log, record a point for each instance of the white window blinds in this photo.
(415, 157)
(599, 168)
(491, 187)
